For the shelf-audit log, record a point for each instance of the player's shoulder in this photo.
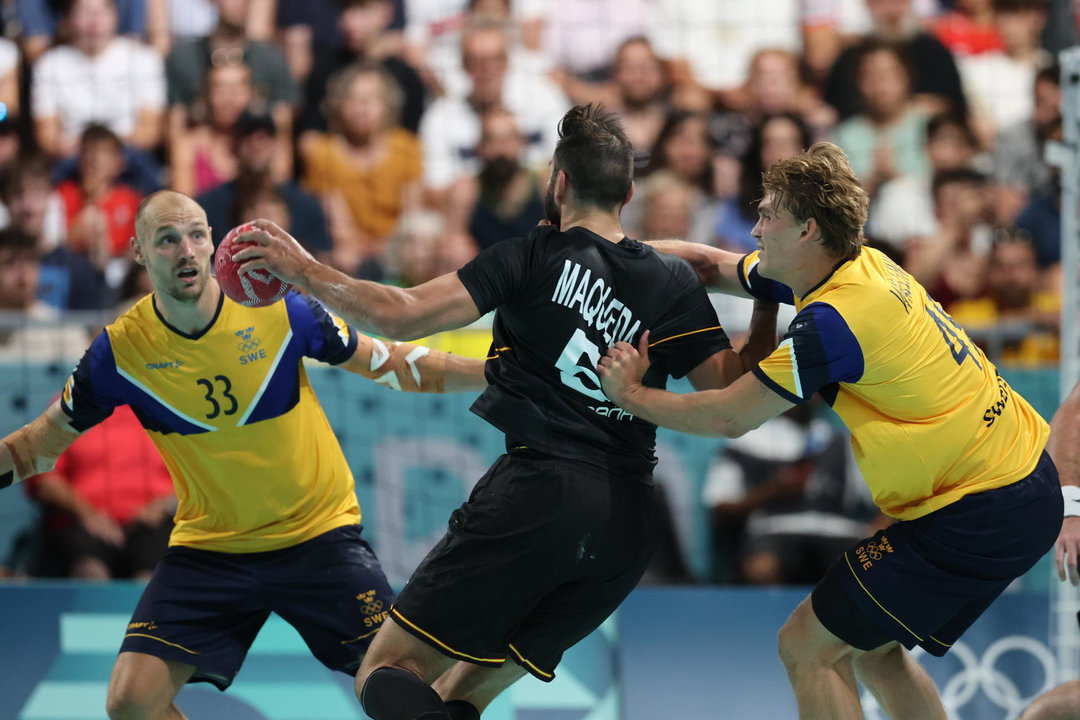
(134, 319)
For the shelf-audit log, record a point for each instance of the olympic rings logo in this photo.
(249, 345)
(981, 675)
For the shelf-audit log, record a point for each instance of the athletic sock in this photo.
(462, 710)
(395, 694)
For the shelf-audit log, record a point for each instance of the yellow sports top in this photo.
(255, 463)
(930, 418)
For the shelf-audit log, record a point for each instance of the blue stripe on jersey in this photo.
(762, 288)
(281, 391)
(824, 348)
(778, 389)
(327, 338)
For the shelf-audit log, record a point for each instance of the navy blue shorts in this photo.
(925, 581)
(204, 608)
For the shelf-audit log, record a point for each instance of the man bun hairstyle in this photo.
(596, 156)
(820, 184)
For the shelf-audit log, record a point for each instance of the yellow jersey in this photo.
(251, 453)
(930, 418)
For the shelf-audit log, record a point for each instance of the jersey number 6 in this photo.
(577, 366)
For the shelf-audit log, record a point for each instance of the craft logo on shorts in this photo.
(142, 626)
(249, 346)
(373, 608)
(872, 551)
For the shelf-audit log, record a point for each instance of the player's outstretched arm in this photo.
(717, 269)
(1064, 448)
(414, 368)
(729, 412)
(34, 447)
(399, 313)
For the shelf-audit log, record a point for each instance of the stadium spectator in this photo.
(683, 152)
(951, 264)
(229, 44)
(100, 210)
(422, 247)
(968, 28)
(99, 78)
(38, 20)
(66, 280)
(888, 137)
(730, 220)
(830, 26)
(935, 82)
(450, 128)
(367, 169)
(903, 208)
(10, 100)
(784, 500)
(201, 155)
(1015, 320)
(582, 38)
(30, 329)
(668, 205)
(435, 30)
(108, 505)
(1019, 167)
(169, 22)
(999, 84)
(255, 148)
(774, 85)
(708, 45)
(362, 26)
(504, 199)
(639, 96)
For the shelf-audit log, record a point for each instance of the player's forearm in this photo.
(34, 448)
(697, 413)
(415, 368)
(1064, 443)
(368, 306)
(761, 338)
(464, 374)
(716, 269)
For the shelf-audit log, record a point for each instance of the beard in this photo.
(552, 211)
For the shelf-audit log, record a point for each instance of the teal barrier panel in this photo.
(415, 458)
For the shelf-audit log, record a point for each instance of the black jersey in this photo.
(562, 299)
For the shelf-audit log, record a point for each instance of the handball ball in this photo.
(254, 288)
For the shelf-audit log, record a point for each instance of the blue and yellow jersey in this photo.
(255, 463)
(930, 418)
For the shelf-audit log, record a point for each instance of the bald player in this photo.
(268, 519)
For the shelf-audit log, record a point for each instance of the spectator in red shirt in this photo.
(108, 504)
(100, 210)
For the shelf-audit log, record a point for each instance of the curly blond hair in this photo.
(820, 184)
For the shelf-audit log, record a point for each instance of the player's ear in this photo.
(562, 182)
(629, 194)
(136, 251)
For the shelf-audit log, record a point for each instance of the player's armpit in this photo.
(414, 368)
(34, 447)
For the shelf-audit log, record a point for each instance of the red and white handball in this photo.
(254, 288)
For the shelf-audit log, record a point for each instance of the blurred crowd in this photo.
(398, 138)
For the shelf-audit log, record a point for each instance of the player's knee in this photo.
(125, 705)
(794, 642)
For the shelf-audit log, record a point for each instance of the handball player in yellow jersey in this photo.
(946, 446)
(267, 519)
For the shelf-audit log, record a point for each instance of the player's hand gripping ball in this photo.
(254, 288)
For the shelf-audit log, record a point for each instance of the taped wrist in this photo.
(35, 447)
(1071, 495)
(412, 368)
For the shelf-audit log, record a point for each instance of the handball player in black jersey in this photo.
(563, 525)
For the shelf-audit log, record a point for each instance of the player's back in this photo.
(563, 299)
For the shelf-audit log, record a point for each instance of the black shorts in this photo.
(540, 555)
(205, 608)
(925, 581)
